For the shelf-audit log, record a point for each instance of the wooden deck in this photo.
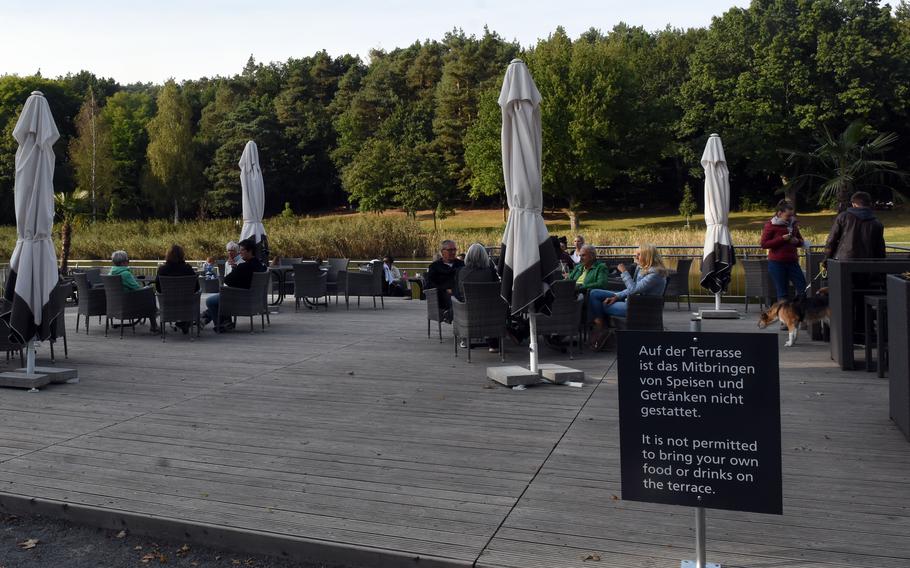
(349, 437)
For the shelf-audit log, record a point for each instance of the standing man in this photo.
(441, 275)
(856, 232)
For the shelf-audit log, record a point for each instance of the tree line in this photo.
(625, 114)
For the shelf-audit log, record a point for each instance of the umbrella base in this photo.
(22, 380)
(560, 374)
(57, 375)
(512, 375)
(718, 314)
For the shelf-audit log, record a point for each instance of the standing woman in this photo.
(782, 239)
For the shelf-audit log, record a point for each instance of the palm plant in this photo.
(68, 207)
(843, 164)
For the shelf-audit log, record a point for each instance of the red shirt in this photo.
(780, 249)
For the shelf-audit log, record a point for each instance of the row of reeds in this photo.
(360, 236)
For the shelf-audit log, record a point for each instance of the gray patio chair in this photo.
(58, 327)
(678, 282)
(434, 311)
(92, 301)
(564, 318)
(482, 314)
(131, 306)
(362, 283)
(756, 281)
(242, 302)
(179, 300)
(309, 282)
(335, 265)
(644, 313)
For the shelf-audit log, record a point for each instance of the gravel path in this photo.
(60, 543)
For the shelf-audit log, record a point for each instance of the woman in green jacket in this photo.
(146, 295)
(589, 274)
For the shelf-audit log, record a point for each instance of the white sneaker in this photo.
(463, 343)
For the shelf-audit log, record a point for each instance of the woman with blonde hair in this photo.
(650, 279)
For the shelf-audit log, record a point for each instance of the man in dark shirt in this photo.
(441, 273)
(856, 233)
(240, 277)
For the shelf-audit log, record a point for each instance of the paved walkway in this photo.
(351, 437)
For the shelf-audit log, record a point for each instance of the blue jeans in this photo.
(211, 305)
(597, 309)
(782, 273)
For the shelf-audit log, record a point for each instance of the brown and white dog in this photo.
(796, 311)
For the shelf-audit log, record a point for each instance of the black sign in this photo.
(699, 417)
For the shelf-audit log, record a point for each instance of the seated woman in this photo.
(175, 265)
(649, 279)
(589, 274)
(477, 268)
(240, 277)
(121, 261)
(394, 283)
(233, 257)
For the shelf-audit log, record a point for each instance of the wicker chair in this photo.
(7, 341)
(434, 311)
(92, 301)
(362, 283)
(179, 300)
(58, 327)
(678, 282)
(644, 313)
(127, 305)
(757, 282)
(309, 282)
(565, 313)
(241, 302)
(482, 314)
(335, 265)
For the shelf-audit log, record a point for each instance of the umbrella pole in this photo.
(30, 358)
(717, 301)
(532, 319)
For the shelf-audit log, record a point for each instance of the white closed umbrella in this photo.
(252, 193)
(528, 260)
(718, 257)
(33, 265)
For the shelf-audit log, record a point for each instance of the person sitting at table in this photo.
(210, 269)
(477, 268)
(650, 279)
(233, 257)
(559, 244)
(441, 275)
(240, 277)
(394, 284)
(589, 274)
(146, 296)
(175, 265)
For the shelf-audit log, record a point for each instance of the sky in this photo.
(153, 41)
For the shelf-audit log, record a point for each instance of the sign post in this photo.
(699, 417)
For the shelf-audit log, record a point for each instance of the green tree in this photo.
(170, 148)
(68, 208)
(688, 206)
(851, 161)
(91, 154)
(128, 115)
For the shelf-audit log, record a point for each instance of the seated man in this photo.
(240, 277)
(120, 261)
(589, 274)
(441, 275)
